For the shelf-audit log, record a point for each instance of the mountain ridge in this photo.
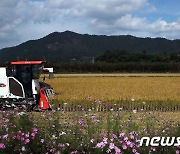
(63, 46)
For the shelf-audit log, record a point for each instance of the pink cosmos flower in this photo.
(100, 145)
(6, 120)
(27, 141)
(128, 143)
(121, 134)
(35, 130)
(114, 136)
(134, 111)
(105, 140)
(27, 135)
(117, 150)
(18, 137)
(97, 121)
(131, 136)
(14, 137)
(33, 134)
(131, 145)
(125, 138)
(23, 148)
(111, 146)
(61, 145)
(134, 150)
(93, 116)
(22, 134)
(2, 146)
(124, 146)
(81, 121)
(5, 136)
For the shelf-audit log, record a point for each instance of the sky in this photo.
(22, 20)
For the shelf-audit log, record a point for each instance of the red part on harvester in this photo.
(43, 101)
(27, 62)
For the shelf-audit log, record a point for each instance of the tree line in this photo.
(129, 67)
(124, 61)
(116, 56)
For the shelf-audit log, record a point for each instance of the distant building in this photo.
(87, 59)
(73, 59)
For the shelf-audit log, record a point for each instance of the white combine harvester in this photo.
(20, 85)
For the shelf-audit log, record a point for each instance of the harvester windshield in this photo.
(36, 71)
(26, 69)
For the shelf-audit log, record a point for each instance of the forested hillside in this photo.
(69, 45)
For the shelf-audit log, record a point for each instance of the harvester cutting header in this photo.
(20, 85)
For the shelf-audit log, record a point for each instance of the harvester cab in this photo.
(20, 85)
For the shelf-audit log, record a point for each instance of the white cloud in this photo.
(139, 26)
(22, 20)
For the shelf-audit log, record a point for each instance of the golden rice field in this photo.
(116, 87)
